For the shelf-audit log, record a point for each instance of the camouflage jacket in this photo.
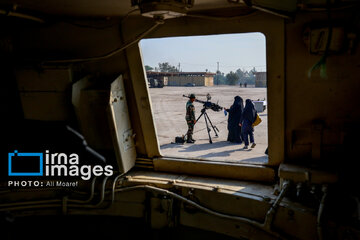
(190, 111)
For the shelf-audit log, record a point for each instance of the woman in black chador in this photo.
(235, 113)
(247, 119)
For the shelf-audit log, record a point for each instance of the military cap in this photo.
(192, 95)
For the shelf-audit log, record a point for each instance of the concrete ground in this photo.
(168, 107)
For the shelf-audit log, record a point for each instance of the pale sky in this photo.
(198, 53)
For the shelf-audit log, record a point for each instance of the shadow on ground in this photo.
(171, 145)
(220, 154)
(256, 160)
(219, 151)
(199, 146)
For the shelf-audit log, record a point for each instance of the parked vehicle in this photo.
(155, 83)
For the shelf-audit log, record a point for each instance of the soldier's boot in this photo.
(189, 139)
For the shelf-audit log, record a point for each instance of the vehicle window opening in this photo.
(216, 69)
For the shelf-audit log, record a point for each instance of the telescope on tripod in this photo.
(208, 105)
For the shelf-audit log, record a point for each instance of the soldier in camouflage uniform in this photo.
(190, 118)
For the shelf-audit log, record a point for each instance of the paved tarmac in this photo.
(168, 105)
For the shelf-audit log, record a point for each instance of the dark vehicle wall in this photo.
(322, 114)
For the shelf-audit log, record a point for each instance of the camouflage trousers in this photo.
(190, 130)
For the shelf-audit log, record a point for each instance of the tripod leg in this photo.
(202, 113)
(207, 127)
(216, 130)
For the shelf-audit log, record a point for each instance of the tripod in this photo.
(206, 117)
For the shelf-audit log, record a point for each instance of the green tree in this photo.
(240, 73)
(219, 78)
(247, 77)
(232, 78)
(222, 79)
(253, 71)
(251, 74)
(148, 68)
(167, 67)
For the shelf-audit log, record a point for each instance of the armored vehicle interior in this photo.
(73, 81)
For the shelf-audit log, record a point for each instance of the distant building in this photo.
(183, 78)
(160, 78)
(192, 78)
(260, 79)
